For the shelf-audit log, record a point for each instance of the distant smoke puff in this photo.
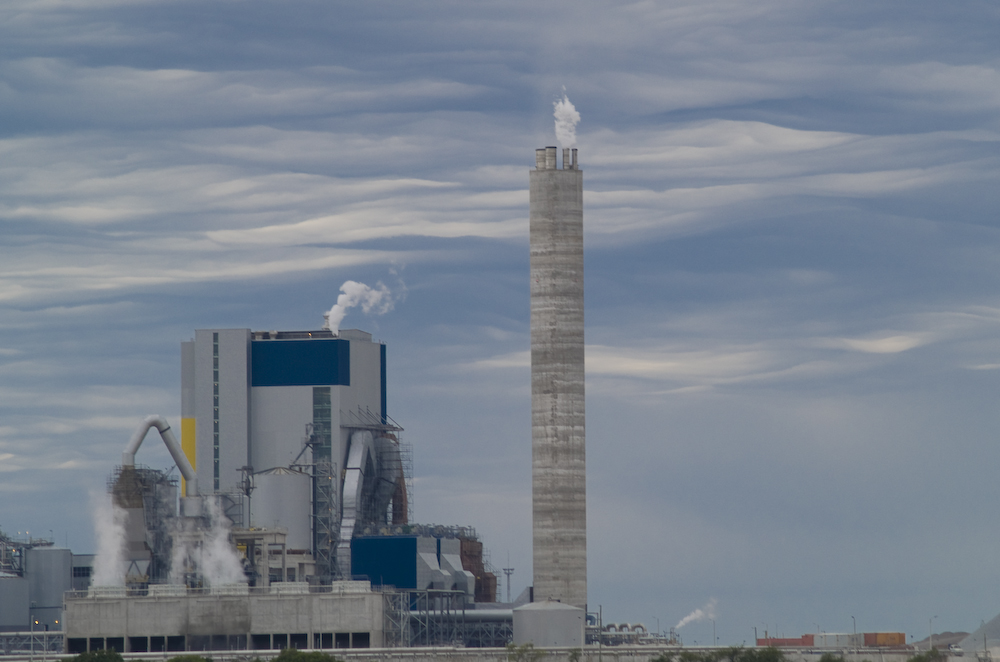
(705, 613)
(377, 300)
(566, 119)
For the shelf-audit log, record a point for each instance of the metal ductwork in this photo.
(361, 455)
(160, 423)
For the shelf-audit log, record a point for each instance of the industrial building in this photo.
(293, 500)
(292, 428)
(34, 575)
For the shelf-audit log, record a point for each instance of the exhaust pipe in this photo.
(160, 423)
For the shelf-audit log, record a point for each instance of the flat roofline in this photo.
(344, 334)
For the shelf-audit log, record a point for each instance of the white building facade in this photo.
(292, 425)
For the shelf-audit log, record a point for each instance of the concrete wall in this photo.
(195, 615)
(558, 436)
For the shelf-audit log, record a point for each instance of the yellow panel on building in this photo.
(188, 445)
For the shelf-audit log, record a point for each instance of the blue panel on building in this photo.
(320, 362)
(386, 560)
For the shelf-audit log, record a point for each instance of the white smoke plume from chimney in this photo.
(566, 119)
(109, 527)
(377, 300)
(706, 613)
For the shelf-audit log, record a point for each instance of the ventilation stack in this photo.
(558, 439)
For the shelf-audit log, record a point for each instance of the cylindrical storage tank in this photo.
(549, 624)
(281, 499)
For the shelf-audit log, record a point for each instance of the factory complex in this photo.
(290, 523)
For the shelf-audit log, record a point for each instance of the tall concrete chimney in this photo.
(558, 436)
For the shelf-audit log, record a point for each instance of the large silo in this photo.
(558, 458)
(278, 498)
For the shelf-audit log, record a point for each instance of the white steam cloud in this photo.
(109, 527)
(205, 553)
(566, 119)
(705, 613)
(377, 300)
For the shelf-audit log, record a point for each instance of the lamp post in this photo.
(930, 632)
(855, 633)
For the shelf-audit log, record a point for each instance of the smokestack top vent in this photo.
(550, 158)
(546, 158)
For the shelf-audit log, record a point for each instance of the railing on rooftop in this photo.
(229, 590)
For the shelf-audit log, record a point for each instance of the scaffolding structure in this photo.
(30, 644)
(488, 634)
(406, 462)
(374, 511)
(326, 521)
(325, 506)
(396, 617)
(12, 555)
(155, 492)
(439, 618)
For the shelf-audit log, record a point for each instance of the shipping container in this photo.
(874, 639)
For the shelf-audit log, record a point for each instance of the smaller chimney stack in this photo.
(540, 159)
(550, 158)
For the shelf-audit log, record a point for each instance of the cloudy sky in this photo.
(793, 261)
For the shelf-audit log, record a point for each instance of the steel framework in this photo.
(31, 643)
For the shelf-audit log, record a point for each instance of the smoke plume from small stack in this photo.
(566, 119)
(377, 300)
(706, 613)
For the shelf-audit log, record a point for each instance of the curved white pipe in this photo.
(161, 425)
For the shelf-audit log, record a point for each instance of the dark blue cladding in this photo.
(320, 362)
(386, 561)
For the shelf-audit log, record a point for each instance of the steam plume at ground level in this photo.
(109, 529)
(201, 550)
(205, 554)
